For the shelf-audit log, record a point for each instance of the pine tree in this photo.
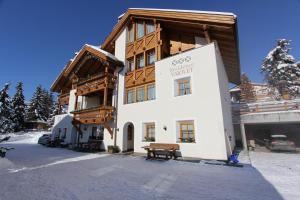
(247, 90)
(36, 106)
(18, 106)
(280, 69)
(6, 124)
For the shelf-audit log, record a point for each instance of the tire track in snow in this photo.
(67, 160)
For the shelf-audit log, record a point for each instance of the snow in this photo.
(36, 172)
(281, 169)
(102, 51)
(189, 11)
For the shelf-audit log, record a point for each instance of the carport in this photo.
(260, 126)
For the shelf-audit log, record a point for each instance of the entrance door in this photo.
(130, 137)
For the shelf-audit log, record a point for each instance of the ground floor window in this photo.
(64, 133)
(186, 131)
(149, 132)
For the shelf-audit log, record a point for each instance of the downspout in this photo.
(116, 103)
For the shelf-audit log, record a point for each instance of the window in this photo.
(64, 133)
(150, 27)
(151, 92)
(140, 61)
(130, 65)
(94, 133)
(130, 33)
(186, 132)
(140, 29)
(151, 57)
(130, 96)
(140, 94)
(149, 132)
(183, 87)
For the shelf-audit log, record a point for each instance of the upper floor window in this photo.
(130, 96)
(183, 86)
(150, 27)
(186, 131)
(130, 33)
(140, 94)
(130, 65)
(140, 29)
(151, 92)
(140, 61)
(151, 57)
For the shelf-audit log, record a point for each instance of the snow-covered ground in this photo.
(33, 172)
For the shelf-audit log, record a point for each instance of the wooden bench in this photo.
(164, 149)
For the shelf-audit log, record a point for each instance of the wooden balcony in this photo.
(63, 99)
(95, 83)
(95, 115)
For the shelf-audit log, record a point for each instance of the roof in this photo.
(97, 51)
(222, 28)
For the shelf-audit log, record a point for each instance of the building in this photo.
(160, 76)
(255, 121)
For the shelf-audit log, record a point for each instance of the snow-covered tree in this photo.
(40, 106)
(18, 107)
(36, 110)
(280, 69)
(6, 124)
(247, 90)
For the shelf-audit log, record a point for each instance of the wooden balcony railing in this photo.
(95, 83)
(63, 99)
(95, 115)
(265, 107)
(140, 76)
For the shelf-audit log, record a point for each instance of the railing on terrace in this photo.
(265, 107)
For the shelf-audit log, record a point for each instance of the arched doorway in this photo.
(128, 137)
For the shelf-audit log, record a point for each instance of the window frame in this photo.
(153, 86)
(142, 23)
(131, 33)
(134, 95)
(147, 24)
(137, 62)
(129, 69)
(149, 126)
(142, 88)
(184, 81)
(186, 123)
(147, 57)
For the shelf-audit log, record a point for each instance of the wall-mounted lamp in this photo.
(165, 128)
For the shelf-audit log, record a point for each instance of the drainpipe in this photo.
(116, 103)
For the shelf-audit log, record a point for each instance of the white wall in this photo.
(226, 103)
(203, 105)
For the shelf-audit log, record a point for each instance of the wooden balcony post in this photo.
(76, 101)
(206, 34)
(105, 97)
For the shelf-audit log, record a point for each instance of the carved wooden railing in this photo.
(63, 99)
(95, 83)
(140, 76)
(95, 115)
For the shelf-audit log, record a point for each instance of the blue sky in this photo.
(37, 37)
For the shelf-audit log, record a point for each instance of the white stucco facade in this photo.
(208, 106)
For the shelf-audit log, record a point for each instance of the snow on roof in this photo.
(190, 11)
(104, 52)
(278, 136)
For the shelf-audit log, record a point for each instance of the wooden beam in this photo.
(206, 34)
(109, 129)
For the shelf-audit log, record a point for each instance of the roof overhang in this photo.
(223, 25)
(69, 68)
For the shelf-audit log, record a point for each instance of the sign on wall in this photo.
(181, 66)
